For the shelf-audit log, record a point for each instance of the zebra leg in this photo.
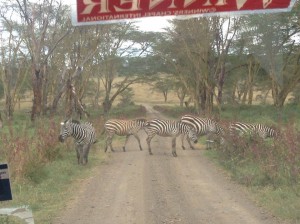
(174, 147)
(80, 154)
(108, 143)
(86, 149)
(190, 144)
(127, 137)
(182, 140)
(148, 142)
(138, 139)
(188, 140)
(77, 148)
(209, 140)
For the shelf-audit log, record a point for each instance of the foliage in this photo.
(126, 98)
(26, 153)
(128, 111)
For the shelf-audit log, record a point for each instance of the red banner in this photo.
(88, 12)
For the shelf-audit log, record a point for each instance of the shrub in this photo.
(277, 160)
(28, 149)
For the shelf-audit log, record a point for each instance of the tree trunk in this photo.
(106, 105)
(37, 86)
(45, 91)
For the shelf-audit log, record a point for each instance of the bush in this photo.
(28, 149)
(276, 162)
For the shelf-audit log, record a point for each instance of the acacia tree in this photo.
(37, 18)
(13, 64)
(278, 52)
(163, 84)
(197, 49)
(119, 42)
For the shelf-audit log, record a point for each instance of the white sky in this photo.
(153, 24)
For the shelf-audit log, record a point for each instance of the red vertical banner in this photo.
(87, 12)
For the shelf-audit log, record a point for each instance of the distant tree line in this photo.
(207, 61)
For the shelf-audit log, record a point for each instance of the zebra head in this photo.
(66, 129)
(192, 135)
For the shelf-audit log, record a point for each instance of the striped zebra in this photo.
(122, 128)
(203, 126)
(260, 130)
(168, 128)
(84, 137)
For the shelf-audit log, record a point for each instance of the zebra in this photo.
(83, 134)
(203, 126)
(121, 128)
(168, 128)
(260, 130)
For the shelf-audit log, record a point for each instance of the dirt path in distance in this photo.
(135, 188)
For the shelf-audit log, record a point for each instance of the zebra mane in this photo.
(72, 120)
(141, 120)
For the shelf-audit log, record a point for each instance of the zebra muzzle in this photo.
(61, 139)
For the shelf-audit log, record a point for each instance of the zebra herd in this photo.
(189, 126)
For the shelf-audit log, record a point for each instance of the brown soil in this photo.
(135, 188)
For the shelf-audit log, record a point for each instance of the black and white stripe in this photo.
(204, 126)
(83, 134)
(168, 128)
(260, 130)
(123, 128)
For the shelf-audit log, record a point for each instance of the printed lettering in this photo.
(135, 5)
(90, 6)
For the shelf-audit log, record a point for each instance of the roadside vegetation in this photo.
(270, 168)
(44, 173)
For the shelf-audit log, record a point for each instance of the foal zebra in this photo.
(260, 130)
(168, 128)
(203, 126)
(84, 137)
(121, 128)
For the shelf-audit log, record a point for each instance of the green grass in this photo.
(281, 198)
(57, 181)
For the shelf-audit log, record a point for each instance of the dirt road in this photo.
(135, 188)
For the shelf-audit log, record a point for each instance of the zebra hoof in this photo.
(183, 147)
(174, 154)
(124, 149)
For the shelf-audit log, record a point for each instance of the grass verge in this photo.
(59, 181)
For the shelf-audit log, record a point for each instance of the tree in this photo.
(197, 50)
(278, 52)
(163, 84)
(13, 64)
(37, 18)
(118, 44)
